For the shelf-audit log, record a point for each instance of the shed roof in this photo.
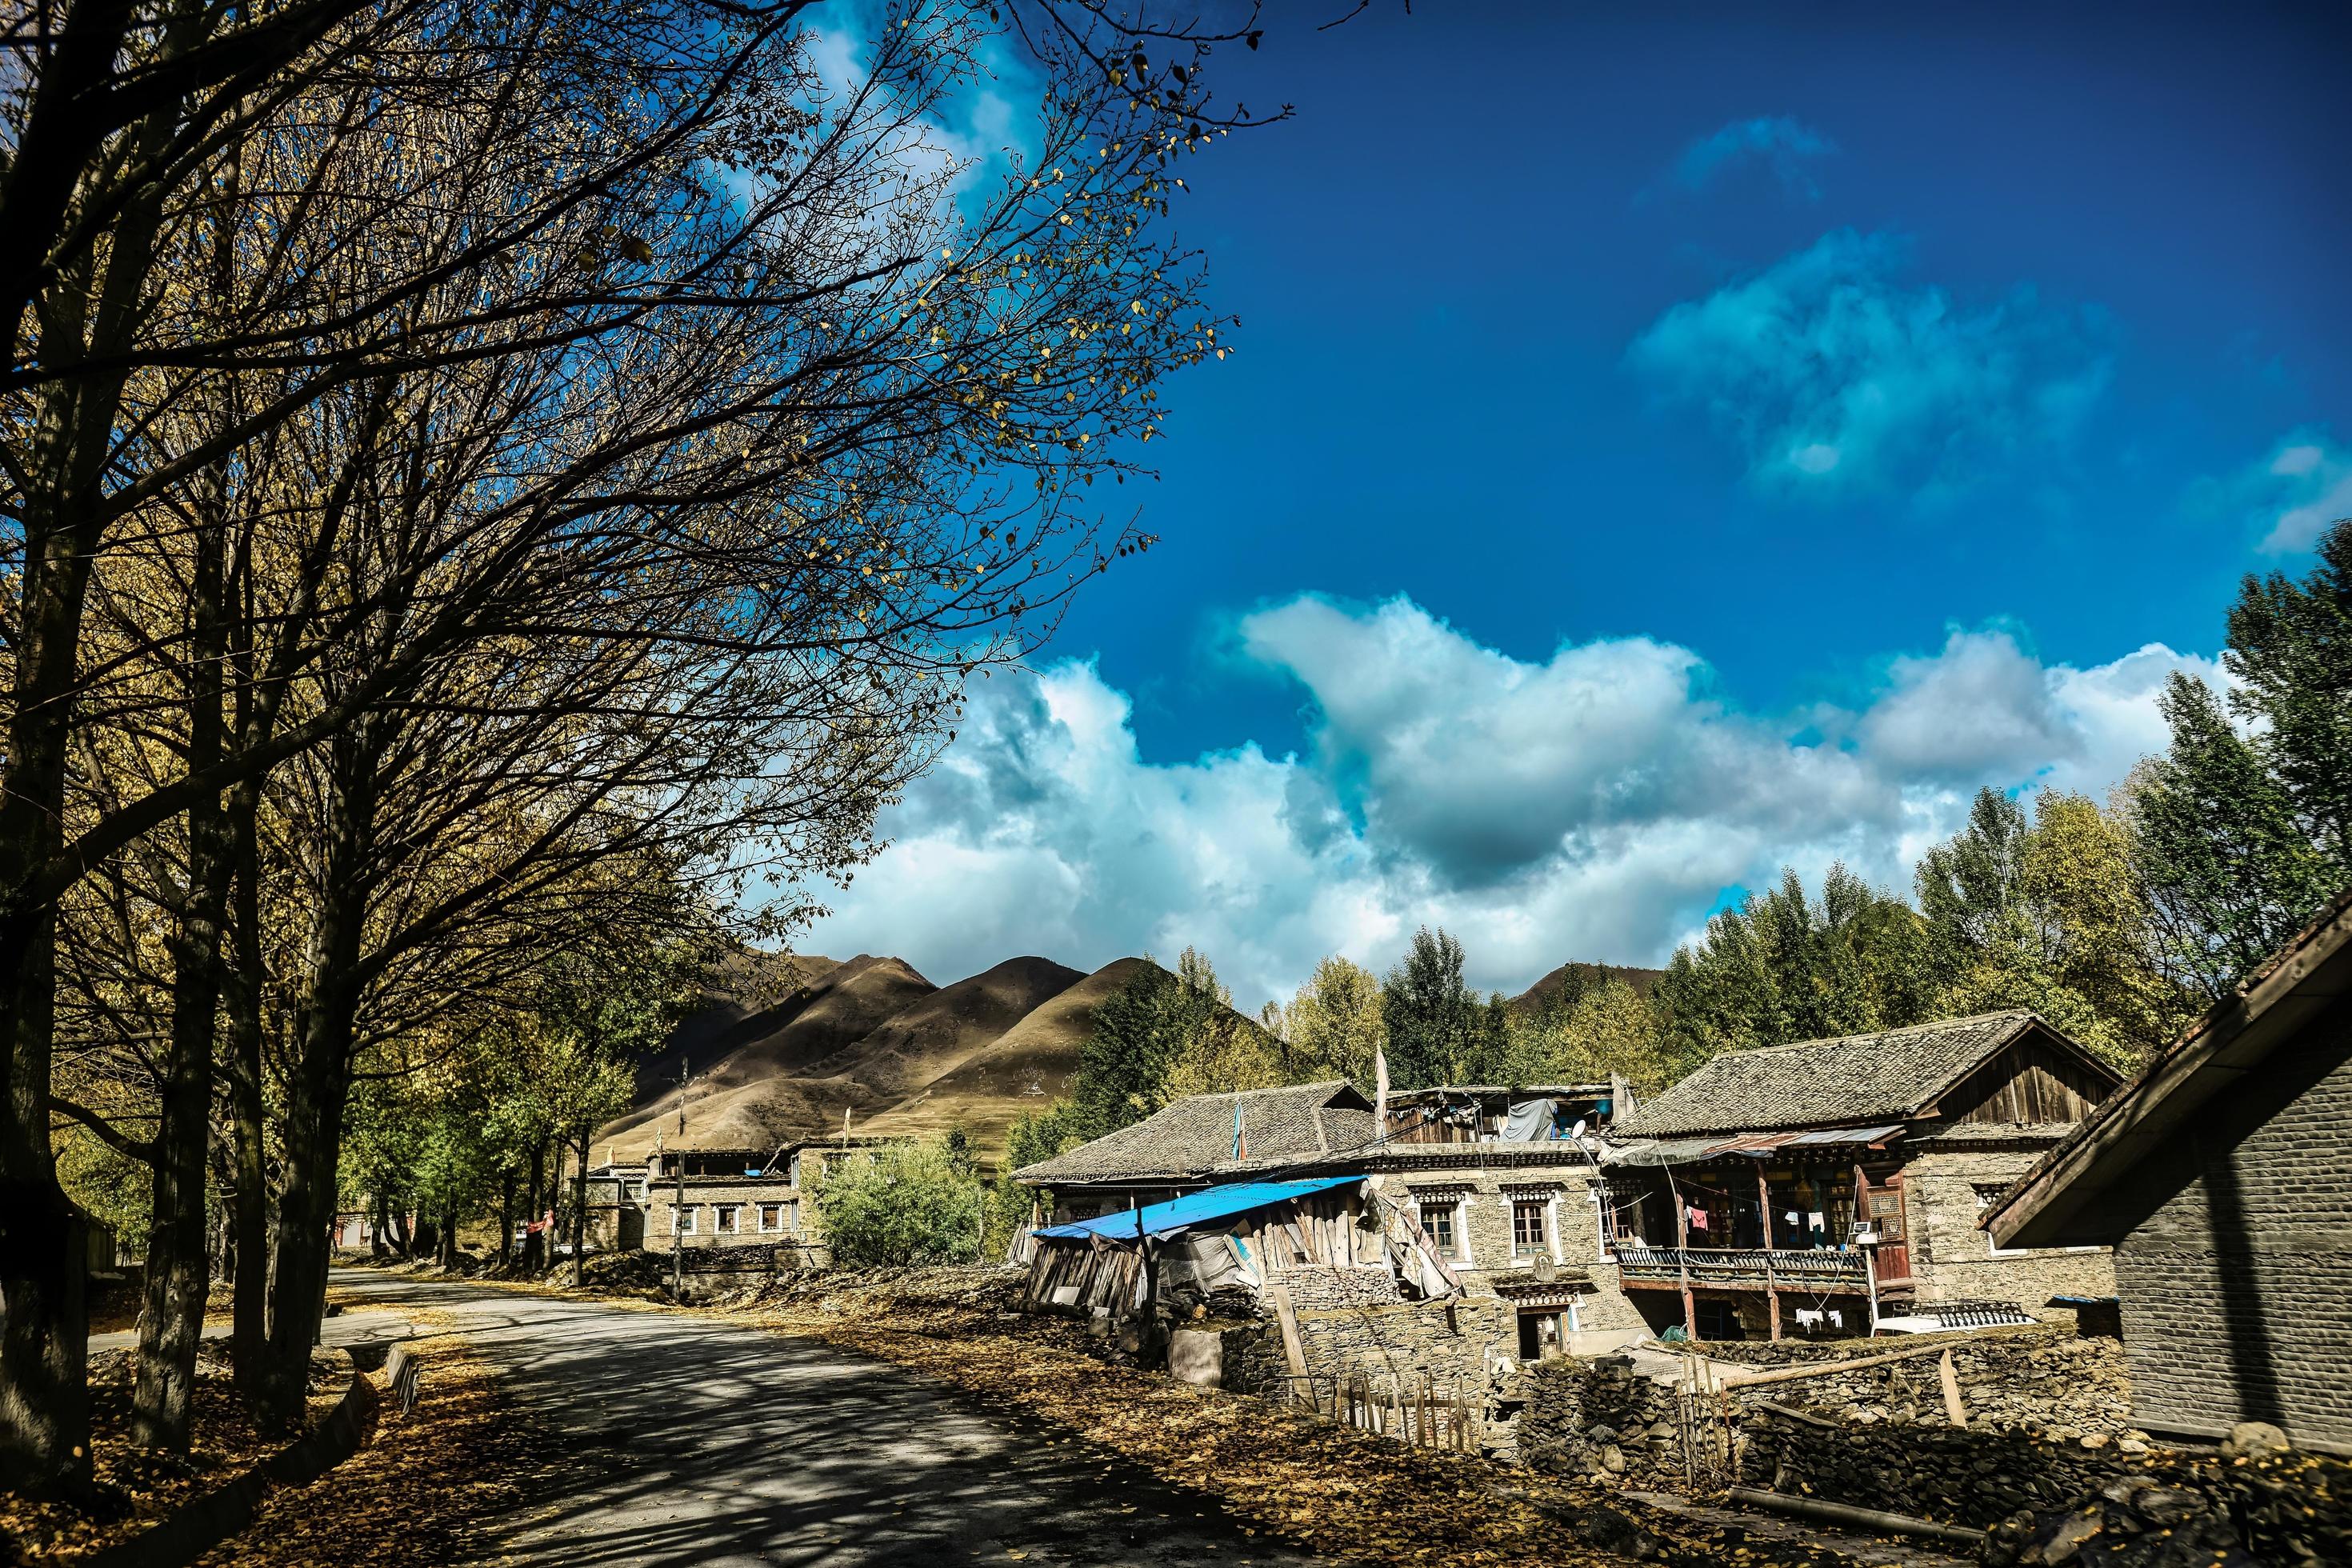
(2065, 1199)
(1496, 1091)
(1892, 1075)
(1194, 1137)
(1193, 1209)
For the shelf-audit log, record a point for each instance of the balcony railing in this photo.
(1742, 1265)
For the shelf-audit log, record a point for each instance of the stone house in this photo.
(2222, 1175)
(1818, 1186)
(1492, 1177)
(1201, 1142)
(732, 1198)
(1506, 1200)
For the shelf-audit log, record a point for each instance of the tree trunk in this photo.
(505, 1219)
(171, 1318)
(534, 1242)
(60, 528)
(44, 1321)
(316, 1089)
(250, 1330)
(306, 1206)
(580, 1211)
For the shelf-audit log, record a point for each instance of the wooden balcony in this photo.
(1754, 1268)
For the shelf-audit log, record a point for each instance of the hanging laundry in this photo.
(1698, 1219)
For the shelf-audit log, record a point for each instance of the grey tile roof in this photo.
(1194, 1137)
(1887, 1075)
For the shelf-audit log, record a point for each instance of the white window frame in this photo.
(772, 1210)
(1549, 1203)
(1458, 1206)
(1459, 1203)
(727, 1220)
(685, 1219)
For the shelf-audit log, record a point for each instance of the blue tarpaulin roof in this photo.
(1194, 1208)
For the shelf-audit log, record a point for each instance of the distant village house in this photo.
(1820, 1186)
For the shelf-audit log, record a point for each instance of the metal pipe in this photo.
(1846, 1513)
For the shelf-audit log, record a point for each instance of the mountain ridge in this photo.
(787, 1047)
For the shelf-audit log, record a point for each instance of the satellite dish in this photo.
(1577, 1130)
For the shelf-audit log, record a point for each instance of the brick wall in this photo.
(2237, 1277)
(1955, 1261)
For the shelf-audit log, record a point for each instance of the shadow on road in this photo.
(689, 1441)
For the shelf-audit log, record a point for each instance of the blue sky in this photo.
(1789, 365)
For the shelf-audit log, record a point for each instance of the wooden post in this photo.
(1682, 1255)
(1771, 1285)
(1294, 1349)
(1953, 1408)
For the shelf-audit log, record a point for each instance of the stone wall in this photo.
(1481, 1191)
(2039, 1391)
(1328, 1290)
(1955, 1261)
(705, 1194)
(2237, 1285)
(2045, 1380)
(1448, 1343)
(1598, 1418)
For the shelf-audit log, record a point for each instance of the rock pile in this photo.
(2254, 1505)
(1598, 1418)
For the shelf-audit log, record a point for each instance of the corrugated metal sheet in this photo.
(1193, 1209)
(1682, 1151)
(1847, 1135)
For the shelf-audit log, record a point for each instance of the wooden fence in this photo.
(1418, 1409)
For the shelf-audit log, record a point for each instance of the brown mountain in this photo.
(938, 1033)
(1025, 1069)
(1643, 981)
(754, 1078)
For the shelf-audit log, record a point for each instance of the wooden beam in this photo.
(1827, 1368)
(1682, 1261)
(1953, 1408)
(1294, 1349)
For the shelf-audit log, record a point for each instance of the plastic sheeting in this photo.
(1166, 1219)
(1530, 1120)
(1199, 1266)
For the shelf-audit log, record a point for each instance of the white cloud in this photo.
(1592, 805)
(1786, 146)
(1836, 377)
(2304, 485)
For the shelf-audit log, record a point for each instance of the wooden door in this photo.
(1886, 1216)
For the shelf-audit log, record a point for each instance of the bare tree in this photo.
(591, 334)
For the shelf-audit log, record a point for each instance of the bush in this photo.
(902, 1204)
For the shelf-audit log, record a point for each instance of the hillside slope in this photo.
(1643, 981)
(1026, 1069)
(938, 1033)
(754, 1080)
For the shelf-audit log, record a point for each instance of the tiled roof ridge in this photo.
(1846, 1079)
(1929, 1026)
(1332, 1083)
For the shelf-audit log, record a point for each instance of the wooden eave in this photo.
(2056, 1202)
